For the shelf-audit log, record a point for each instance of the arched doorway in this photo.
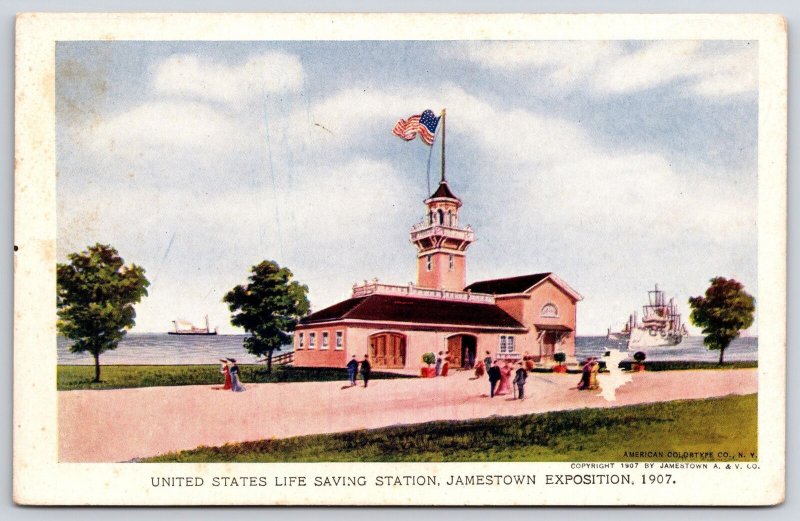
(462, 350)
(387, 350)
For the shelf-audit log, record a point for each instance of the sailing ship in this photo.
(661, 324)
(625, 332)
(182, 327)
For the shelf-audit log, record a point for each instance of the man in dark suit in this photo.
(494, 377)
(519, 380)
(352, 370)
(366, 369)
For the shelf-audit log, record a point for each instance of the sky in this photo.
(614, 164)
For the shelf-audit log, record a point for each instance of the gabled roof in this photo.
(520, 284)
(390, 308)
(510, 285)
(443, 191)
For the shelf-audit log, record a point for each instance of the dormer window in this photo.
(549, 310)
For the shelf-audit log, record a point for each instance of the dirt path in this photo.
(119, 425)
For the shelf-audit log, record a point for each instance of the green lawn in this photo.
(718, 425)
(72, 377)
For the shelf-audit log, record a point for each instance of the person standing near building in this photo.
(494, 377)
(439, 364)
(519, 380)
(366, 369)
(352, 370)
(487, 362)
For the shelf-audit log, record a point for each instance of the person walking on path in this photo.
(224, 370)
(352, 370)
(236, 385)
(446, 365)
(494, 377)
(439, 364)
(366, 368)
(519, 380)
(487, 362)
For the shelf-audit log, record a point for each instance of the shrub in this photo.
(560, 357)
(639, 356)
(429, 358)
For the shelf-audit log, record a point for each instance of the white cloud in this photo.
(188, 75)
(156, 126)
(608, 68)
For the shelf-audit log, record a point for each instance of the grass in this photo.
(680, 366)
(74, 377)
(714, 425)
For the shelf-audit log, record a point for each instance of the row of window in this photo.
(429, 259)
(312, 340)
(506, 344)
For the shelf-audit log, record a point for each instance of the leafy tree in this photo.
(96, 292)
(268, 307)
(725, 310)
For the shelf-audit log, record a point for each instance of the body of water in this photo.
(164, 349)
(691, 349)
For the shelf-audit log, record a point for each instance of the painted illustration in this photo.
(407, 251)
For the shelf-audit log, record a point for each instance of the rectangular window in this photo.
(430, 262)
(324, 340)
(339, 340)
(452, 263)
(299, 340)
(506, 344)
(312, 340)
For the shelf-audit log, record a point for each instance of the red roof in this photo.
(443, 191)
(389, 308)
(510, 285)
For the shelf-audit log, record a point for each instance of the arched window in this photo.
(449, 218)
(549, 310)
(441, 216)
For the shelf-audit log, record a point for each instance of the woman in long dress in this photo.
(505, 380)
(446, 365)
(224, 370)
(480, 369)
(236, 385)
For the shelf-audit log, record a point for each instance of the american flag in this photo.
(423, 124)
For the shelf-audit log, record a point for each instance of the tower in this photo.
(441, 243)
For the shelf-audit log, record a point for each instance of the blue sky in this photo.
(614, 164)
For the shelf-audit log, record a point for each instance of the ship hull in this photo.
(645, 338)
(190, 333)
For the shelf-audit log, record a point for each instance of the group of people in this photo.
(231, 371)
(500, 380)
(353, 370)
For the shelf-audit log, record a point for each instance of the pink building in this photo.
(396, 325)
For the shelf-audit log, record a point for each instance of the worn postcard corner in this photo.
(330, 259)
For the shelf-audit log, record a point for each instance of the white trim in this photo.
(338, 335)
(312, 340)
(325, 340)
(560, 283)
(300, 343)
(541, 311)
(460, 253)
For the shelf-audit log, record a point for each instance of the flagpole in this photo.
(444, 128)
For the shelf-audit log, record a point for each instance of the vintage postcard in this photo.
(360, 259)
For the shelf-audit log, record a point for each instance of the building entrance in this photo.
(387, 350)
(462, 350)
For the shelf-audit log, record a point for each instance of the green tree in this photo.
(268, 307)
(725, 310)
(96, 292)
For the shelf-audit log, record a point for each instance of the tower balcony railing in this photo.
(424, 229)
(376, 288)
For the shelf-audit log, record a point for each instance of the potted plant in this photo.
(428, 371)
(639, 358)
(560, 358)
